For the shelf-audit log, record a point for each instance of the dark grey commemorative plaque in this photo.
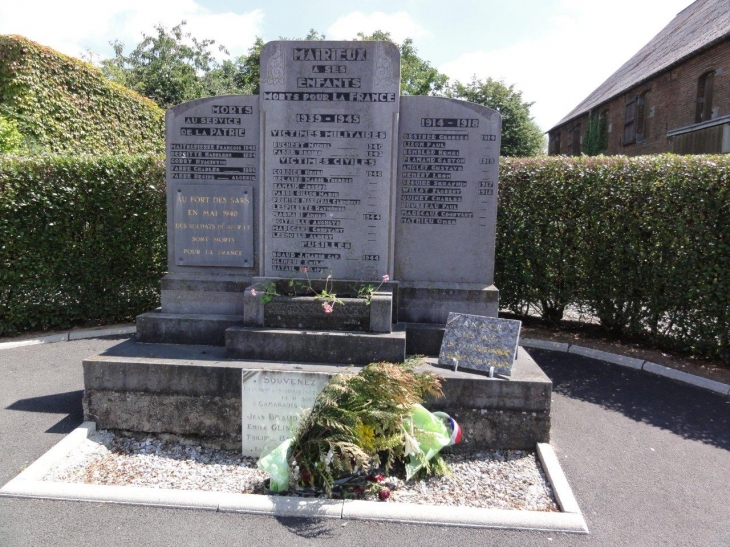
(446, 216)
(329, 130)
(213, 225)
(212, 180)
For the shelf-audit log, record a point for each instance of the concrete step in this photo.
(356, 348)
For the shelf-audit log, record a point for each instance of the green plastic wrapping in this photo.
(431, 434)
(275, 464)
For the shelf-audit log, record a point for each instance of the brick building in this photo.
(672, 96)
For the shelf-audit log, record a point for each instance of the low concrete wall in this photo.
(194, 392)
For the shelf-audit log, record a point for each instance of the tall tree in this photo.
(521, 136)
(418, 76)
(171, 67)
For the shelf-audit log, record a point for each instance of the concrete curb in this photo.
(29, 485)
(71, 335)
(630, 362)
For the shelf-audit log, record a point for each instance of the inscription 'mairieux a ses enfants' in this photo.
(212, 176)
(447, 190)
(329, 130)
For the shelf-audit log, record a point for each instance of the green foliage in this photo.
(10, 138)
(644, 243)
(595, 140)
(82, 239)
(172, 67)
(357, 421)
(418, 76)
(62, 105)
(521, 136)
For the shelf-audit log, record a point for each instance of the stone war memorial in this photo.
(328, 182)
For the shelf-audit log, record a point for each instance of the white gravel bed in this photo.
(500, 479)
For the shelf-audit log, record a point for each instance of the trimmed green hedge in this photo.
(82, 239)
(643, 243)
(64, 105)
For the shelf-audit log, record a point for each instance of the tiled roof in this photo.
(697, 26)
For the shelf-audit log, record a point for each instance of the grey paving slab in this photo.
(282, 506)
(561, 489)
(622, 360)
(132, 495)
(98, 333)
(62, 337)
(463, 516)
(691, 379)
(544, 344)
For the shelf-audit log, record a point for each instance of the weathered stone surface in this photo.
(448, 166)
(272, 402)
(479, 343)
(306, 312)
(200, 416)
(432, 302)
(172, 328)
(193, 391)
(212, 184)
(330, 113)
(424, 339)
(315, 346)
(507, 429)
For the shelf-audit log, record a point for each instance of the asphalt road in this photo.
(648, 460)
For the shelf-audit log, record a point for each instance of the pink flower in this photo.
(386, 278)
(303, 270)
(327, 307)
(253, 292)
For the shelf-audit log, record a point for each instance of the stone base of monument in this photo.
(205, 294)
(432, 302)
(185, 328)
(315, 346)
(194, 392)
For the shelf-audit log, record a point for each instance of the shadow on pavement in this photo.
(687, 411)
(309, 528)
(68, 403)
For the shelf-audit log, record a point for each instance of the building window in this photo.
(630, 120)
(603, 129)
(575, 140)
(643, 112)
(704, 97)
(555, 144)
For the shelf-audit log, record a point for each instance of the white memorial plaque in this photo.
(272, 402)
